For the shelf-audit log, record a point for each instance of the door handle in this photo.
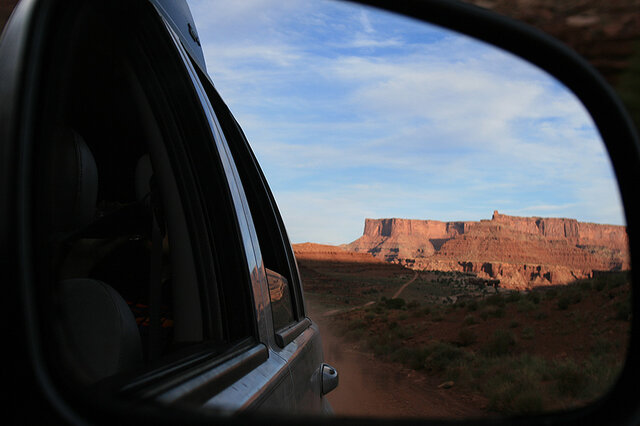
(329, 378)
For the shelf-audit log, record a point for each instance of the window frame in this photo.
(264, 207)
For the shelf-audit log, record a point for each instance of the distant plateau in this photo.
(511, 251)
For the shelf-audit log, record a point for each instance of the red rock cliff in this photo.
(520, 251)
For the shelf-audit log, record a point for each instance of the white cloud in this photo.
(352, 115)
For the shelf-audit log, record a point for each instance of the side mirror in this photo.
(329, 378)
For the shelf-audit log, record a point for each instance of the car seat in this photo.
(98, 335)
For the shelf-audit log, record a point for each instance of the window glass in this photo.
(133, 277)
(281, 307)
(277, 256)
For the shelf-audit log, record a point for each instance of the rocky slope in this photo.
(313, 251)
(521, 252)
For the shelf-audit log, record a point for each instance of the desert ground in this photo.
(406, 343)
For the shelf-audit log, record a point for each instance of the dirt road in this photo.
(372, 388)
(401, 289)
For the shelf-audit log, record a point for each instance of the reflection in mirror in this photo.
(491, 277)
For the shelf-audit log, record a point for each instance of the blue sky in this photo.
(355, 113)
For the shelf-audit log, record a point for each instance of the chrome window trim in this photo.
(272, 375)
(249, 240)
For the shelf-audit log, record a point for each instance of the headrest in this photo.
(100, 334)
(74, 180)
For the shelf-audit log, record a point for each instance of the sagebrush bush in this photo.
(513, 297)
(551, 294)
(469, 320)
(440, 355)
(467, 337)
(570, 378)
(623, 310)
(563, 303)
(501, 343)
(525, 305)
(495, 300)
(528, 333)
(533, 296)
(413, 304)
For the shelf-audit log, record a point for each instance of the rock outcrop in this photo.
(313, 251)
(521, 252)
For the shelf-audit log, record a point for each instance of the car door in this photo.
(126, 98)
(288, 332)
(291, 334)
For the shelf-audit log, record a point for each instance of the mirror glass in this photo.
(454, 213)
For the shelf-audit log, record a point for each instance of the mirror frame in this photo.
(620, 406)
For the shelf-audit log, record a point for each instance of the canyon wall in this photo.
(519, 251)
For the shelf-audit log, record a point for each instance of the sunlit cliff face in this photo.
(519, 251)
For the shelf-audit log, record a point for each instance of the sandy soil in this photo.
(373, 388)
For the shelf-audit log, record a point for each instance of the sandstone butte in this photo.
(521, 252)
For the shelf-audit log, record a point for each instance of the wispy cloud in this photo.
(355, 113)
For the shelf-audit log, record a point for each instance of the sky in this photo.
(355, 113)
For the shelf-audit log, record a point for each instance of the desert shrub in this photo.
(394, 303)
(564, 302)
(401, 333)
(392, 325)
(570, 296)
(601, 347)
(469, 320)
(496, 311)
(525, 305)
(383, 344)
(514, 324)
(495, 300)
(501, 343)
(472, 306)
(527, 402)
(437, 317)
(369, 316)
(426, 310)
(576, 297)
(533, 296)
(584, 285)
(515, 389)
(440, 355)
(513, 297)
(551, 294)
(541, 315)
(623, 310)
(599, 284)
(354, 334)
(467, 337)
(413, 304)
(528, 333)
(616, 280)
(355, 324)
(570, 378)
(403, 316)
(492, 312)
(410, 357)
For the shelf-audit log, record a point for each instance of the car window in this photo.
(280, 267)
(145, 266)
